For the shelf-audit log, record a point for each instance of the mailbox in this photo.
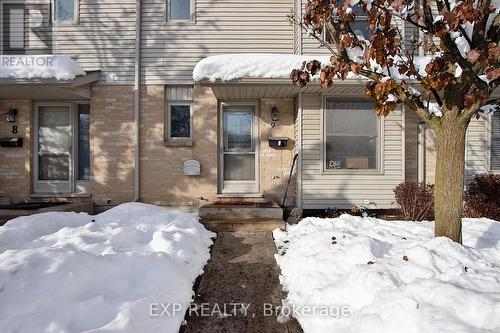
(191, 168)
(278, 142)
(11, 142)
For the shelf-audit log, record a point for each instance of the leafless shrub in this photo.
(482, 197)
(416, 200)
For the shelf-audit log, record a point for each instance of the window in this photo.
(179, 113)
(358, 26)
(179, 10)
(65, 10)
(179, 121)
(83, 142)
(351, 135)
(495, 142)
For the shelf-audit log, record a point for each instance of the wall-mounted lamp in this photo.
(10, 116)
(275, 114)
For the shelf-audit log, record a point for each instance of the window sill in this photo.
(178, 143)
(352, 172)
(179, 23)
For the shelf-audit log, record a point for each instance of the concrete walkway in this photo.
(242, 270)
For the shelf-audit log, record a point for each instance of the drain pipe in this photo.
(137, 98)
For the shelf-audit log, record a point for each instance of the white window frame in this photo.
(168, 136)
(488, 144)
(192, 7)
(379, 170)
(76, 13)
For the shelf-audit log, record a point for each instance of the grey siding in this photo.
(170, 50)
(477, 148)
(321, 190)
(102, 39)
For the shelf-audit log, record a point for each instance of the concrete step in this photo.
(256, 224)
(241, 212)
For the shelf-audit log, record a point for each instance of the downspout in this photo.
(137, 99)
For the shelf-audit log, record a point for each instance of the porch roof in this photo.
(48, 89)
(253, 89)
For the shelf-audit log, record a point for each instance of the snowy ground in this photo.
(390, 276)
(61, 272)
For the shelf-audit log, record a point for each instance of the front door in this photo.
(239, 149)
(53, 142)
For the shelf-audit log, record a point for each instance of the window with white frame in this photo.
(179, 10)
(495, 142)
(65, 10)
(179, 113)
(351, 135)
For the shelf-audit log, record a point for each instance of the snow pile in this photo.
(392, 276)
(39, 67)
(61, 272)
(228, 67)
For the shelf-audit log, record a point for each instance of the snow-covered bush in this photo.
(415, 200)
(482, 197)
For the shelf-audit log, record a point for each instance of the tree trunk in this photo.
(449, 182)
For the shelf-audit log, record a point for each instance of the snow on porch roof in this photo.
(229, 67)
(39, 67)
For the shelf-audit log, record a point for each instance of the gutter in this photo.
(137, 98)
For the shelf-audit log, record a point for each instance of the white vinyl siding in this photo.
(170, 50)
(476, 154)
(322, 189)
(495, 142)
(103, 39)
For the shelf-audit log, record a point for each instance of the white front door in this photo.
(53, 143)
(239, 149)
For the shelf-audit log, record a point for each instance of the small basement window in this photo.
(66, 10)
(351, 136)
(179, 113)
(180, 10)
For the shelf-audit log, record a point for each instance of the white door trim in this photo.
(240, 187)
(53, 187)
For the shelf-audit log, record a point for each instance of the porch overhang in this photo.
(49, 89)
(252, 89)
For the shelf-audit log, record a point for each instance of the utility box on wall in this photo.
(278, 142)
(191, 168)
(11, 142)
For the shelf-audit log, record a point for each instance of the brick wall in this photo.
(15, 166)
(112, 144)
(162, 179)
(275, 164)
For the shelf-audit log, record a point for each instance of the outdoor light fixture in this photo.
(10, 116)
(275, 114)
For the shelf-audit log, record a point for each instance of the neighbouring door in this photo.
(53, 160)
(239, 149)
